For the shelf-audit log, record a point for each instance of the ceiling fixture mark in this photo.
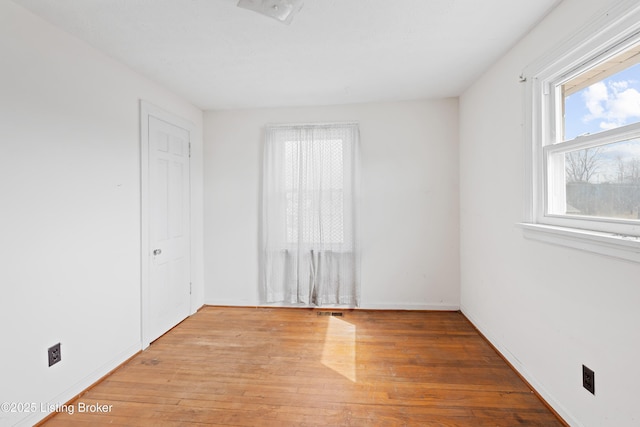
(280, 10)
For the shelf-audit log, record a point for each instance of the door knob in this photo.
(157, 251)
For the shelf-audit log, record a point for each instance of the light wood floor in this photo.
(292, 367)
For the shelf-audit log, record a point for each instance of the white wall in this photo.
(549, 309)
(409, 182)
(70, 210)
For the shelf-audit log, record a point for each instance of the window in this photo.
(583, 128)
(593, 163)
(309, 247)
(314, 183)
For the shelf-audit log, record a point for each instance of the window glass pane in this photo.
(604, 97)
(604, 181)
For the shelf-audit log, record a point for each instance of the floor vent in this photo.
(330, 313)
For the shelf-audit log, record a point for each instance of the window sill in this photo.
(622, 247)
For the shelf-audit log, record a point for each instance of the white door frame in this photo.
(148, 110)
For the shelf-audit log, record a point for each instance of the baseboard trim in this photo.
(364, 306)
(83, 386)
(550, 402)
(411, 307)
(232, 303)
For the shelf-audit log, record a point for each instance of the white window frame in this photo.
(610, 32)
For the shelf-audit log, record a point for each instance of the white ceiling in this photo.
(220, 56)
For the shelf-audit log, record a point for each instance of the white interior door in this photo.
(169, 289)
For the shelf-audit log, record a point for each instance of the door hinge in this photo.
(190, 288)
(189, 149)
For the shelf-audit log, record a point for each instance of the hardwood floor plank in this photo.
(228, 366)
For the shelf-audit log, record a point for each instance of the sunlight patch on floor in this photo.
(339, 352)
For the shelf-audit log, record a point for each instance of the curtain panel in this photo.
(309, 251)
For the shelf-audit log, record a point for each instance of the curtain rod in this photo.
(309, 124)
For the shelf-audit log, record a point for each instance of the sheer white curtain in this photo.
(309, 242)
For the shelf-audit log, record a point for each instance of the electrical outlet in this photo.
(54, 354)
(589, 380)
